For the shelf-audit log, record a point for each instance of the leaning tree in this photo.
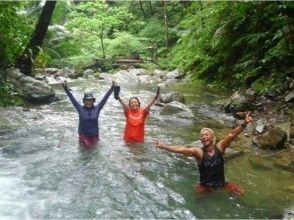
(25, 61)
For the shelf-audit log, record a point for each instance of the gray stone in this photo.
(289, 214)
(170, 97)
(31, 89)
(237, 103)
(275, 138)
(50, 71)
(173, 74)
(14, 73)
(260, 127)
(289, 96)
(250, 94)
(177, 108)
(88, 72)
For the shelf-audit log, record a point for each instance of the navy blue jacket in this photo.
(88, 117)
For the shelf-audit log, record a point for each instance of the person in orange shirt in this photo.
(135, 117)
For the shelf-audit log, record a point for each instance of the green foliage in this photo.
(230, 44)
(8, 96)
(90, 25)
(236, 43)
(60, 12)
(154, 31)
(125, 44)
(14, 31)
(266, 84)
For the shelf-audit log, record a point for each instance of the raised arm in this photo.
(187, 151)
(153, 100)
(224, 143)
(116, 96)
(75, 103)
(106, 96)
(124, 105)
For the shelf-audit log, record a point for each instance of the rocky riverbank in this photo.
(271, 133)
(272, 130)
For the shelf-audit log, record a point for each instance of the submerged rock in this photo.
(260, 163)
(232, 154)
(285, 160)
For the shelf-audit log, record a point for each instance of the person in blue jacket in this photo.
(88, 116)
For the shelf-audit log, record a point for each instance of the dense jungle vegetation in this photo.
(225, 43)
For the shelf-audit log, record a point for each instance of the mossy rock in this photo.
(272, 139)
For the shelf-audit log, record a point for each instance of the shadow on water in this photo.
(45, 174)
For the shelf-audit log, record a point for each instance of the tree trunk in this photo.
(25, 62)
(102, 43)
(150, 8)
(142, 9)
(165, 23)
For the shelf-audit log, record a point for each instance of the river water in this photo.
(45, 175)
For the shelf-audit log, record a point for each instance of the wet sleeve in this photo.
(72, 99)
(105, 98)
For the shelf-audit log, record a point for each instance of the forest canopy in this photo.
(227, 44)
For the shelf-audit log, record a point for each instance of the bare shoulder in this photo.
(196, 151)
(220, 145)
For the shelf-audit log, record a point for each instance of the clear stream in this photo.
(45, 175)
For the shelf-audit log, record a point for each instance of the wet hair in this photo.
(207, 129)
(136, 99)
(210, 131)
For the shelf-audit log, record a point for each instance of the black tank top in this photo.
(211, 169)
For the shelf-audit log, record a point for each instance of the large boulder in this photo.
(105, 76)
(274, 138)
(29, 88)
(238, 103)
(134, 76)
(175, 74)
(125, 77)
(177, 108)
(139, 71)
(159, 73)
(147, 79)
(88, 72)
(170, 97)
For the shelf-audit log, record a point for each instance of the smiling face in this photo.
(134, 103)
(206, 137)
(89, 103)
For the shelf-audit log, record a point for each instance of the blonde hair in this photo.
(207, 129)
(210, 131)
